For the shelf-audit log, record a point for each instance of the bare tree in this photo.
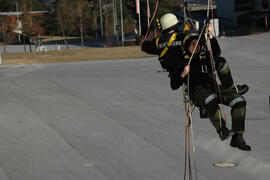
(84, 16)
(93, 19)
(65, 12)
(7, 23)
(31, 27)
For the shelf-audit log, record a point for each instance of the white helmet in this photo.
(168, 20)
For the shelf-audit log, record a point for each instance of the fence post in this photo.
(0, 58)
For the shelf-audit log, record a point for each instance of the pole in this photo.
(148, 12)
(0, 58)
(101, 22)
(269, 104)
(140, 28)
(266, 21)
(114, 21)
(81, 22)
(138, 11)
(17, 9)
(114, 28)
(139, 15)
(122, 24)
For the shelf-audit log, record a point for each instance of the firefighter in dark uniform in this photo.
(168, 46)
(174, 50)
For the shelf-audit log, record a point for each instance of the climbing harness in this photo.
(172, 39)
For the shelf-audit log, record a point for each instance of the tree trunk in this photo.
(24, 44)
(63, 33)
(4, 36)
(30, 47)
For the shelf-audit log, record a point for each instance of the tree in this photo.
(31, 27)
(92, 23)
(7, 5)
(66, 17)
(6, 24)
(83, 15)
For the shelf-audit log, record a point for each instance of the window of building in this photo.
(265, 4)
(244, 5)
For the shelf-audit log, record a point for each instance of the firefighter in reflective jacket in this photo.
(169, 48)
(169, 45)
(174, 50)
(203, 91)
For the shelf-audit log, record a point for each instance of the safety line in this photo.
(151, 21)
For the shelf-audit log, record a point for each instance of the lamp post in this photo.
(17, 9)
(122, 24)
(115, 22)
(139, 15)
(101, 22)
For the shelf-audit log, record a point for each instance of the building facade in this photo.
(234, 14)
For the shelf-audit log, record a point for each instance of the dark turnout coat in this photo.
(172, 57)
(175, 59)
(201, 73)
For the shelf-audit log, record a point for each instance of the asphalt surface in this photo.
(119, 120)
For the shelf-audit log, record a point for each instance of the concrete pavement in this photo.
(119, 120)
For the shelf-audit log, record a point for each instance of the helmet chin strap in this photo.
(172, 31)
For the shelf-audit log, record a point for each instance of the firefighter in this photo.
(174, 49)
(203, 91)
(170, 50)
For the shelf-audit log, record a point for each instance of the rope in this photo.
(151, 21)
(217, 88)
(187, 142)
(189, 108)
(193, 145)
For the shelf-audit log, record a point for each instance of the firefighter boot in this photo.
(224, 133)
(239, 142)
(241, 89)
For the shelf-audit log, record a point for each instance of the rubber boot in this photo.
(239, 142)
(224, 133)
(241, 89)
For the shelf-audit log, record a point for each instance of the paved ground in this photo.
(119, 120)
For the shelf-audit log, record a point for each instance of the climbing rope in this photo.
(186, 91)
(150, 23)
(189, 108)
(217, 87)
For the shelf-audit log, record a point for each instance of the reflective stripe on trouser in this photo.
(237, 100)
(206, 97)
(229, 98)
(210, 98)
(224, 73)
(238, 113)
